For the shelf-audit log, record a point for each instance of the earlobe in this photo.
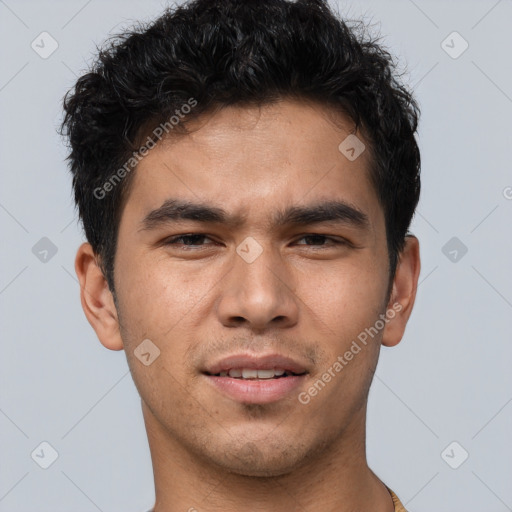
(96, 297)
(403, 294)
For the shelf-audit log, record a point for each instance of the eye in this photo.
(189, 240)
(196, 240)
(318, 239)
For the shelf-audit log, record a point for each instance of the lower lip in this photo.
(257, 391)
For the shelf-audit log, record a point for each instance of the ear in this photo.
(403, 293)
(96, 297)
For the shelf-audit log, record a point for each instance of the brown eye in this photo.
(189, 240)
(319, 240)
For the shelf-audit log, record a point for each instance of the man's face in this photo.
(253, 288)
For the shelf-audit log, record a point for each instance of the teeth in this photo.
(265, 374)
(250, 373)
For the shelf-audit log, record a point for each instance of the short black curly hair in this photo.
(236, 52)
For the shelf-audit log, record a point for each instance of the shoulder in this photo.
(398, 504)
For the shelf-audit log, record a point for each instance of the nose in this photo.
(258, 295)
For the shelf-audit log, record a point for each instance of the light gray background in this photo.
(449, 380)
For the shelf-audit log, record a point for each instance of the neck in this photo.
(337, 479)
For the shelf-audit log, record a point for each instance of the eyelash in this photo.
(172, 240)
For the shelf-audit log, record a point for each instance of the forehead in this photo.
(253, 159)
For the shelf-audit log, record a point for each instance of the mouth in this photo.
(248, 379)
(256, 374)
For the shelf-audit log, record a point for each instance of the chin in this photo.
(263, 460)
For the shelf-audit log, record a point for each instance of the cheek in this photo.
(348, 300)
(154, 305)
(351, 305)
(160, 298)
(147, 299)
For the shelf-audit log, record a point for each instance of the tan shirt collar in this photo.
(398, 505)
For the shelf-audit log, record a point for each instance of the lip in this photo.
(247, 360)
(257, 391)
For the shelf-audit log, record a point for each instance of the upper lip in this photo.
(254, 362)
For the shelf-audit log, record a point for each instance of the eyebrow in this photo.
(173, 210)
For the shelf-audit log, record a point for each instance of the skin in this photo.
(304, 298)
